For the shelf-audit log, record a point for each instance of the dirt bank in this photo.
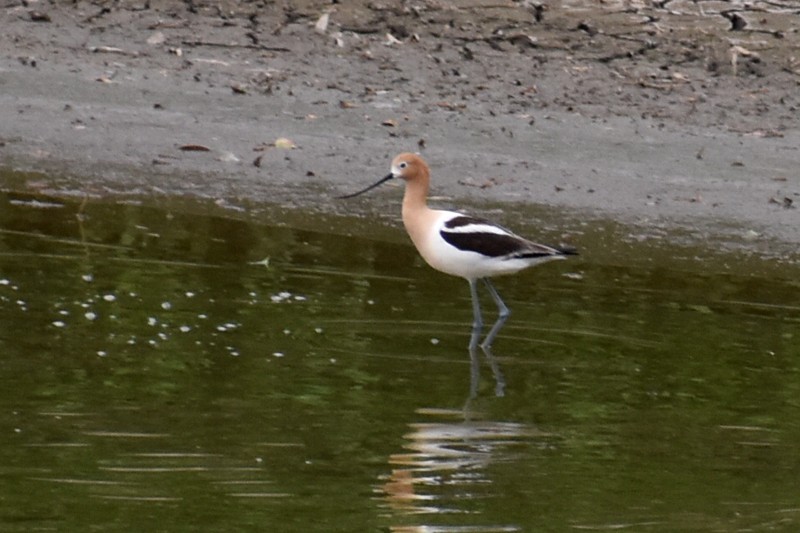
(674, 113)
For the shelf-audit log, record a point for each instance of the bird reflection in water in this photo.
(475, 366)
(445, 462)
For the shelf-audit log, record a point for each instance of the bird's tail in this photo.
(565, 249)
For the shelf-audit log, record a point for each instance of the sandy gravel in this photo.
(674, 114)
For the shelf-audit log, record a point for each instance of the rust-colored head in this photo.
(410, 167)
(407, 166)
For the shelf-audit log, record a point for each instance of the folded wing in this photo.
(477, 235)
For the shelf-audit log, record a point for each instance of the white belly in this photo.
(446, 258)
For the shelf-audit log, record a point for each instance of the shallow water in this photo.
(166, 368)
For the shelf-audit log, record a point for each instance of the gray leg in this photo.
(474, 373)
(499, 380)
(502, 314)
(477, 320)
(477, 325)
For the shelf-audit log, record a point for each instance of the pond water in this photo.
(170, 368)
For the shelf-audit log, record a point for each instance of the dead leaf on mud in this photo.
(392, 40)
(696, 199)
(211, 61)
(765, 133)
(486, 184)
(228, 157)
(784, 202)
(194, 148)
(736, 51)
(284, 143)
(322, 23)
(450, 106)
(39, 16)
(257, 161)
(238, 88)
(389, 122)
(344, 104)
(659, 84)
(112, 50)
(157, 38)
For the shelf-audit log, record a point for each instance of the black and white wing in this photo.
(481, 236)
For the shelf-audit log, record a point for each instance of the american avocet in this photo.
(461, 245)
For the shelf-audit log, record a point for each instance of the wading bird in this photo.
(461, 245)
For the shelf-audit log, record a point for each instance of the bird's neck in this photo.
(416, 213)
(415, 200)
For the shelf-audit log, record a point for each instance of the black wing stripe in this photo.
(527, 255)
(464, 220)
(493, 244)
(488, 244)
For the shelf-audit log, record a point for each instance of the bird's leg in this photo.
(502, 315)
(474, 373)
(477, 320)
(499, 380)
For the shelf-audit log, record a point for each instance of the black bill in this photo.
(379, 182)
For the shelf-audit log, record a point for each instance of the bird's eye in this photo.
(403, 165)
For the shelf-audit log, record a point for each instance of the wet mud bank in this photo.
(666, 116)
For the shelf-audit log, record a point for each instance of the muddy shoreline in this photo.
(662, 115)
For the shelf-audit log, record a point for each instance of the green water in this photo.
(163, 368)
